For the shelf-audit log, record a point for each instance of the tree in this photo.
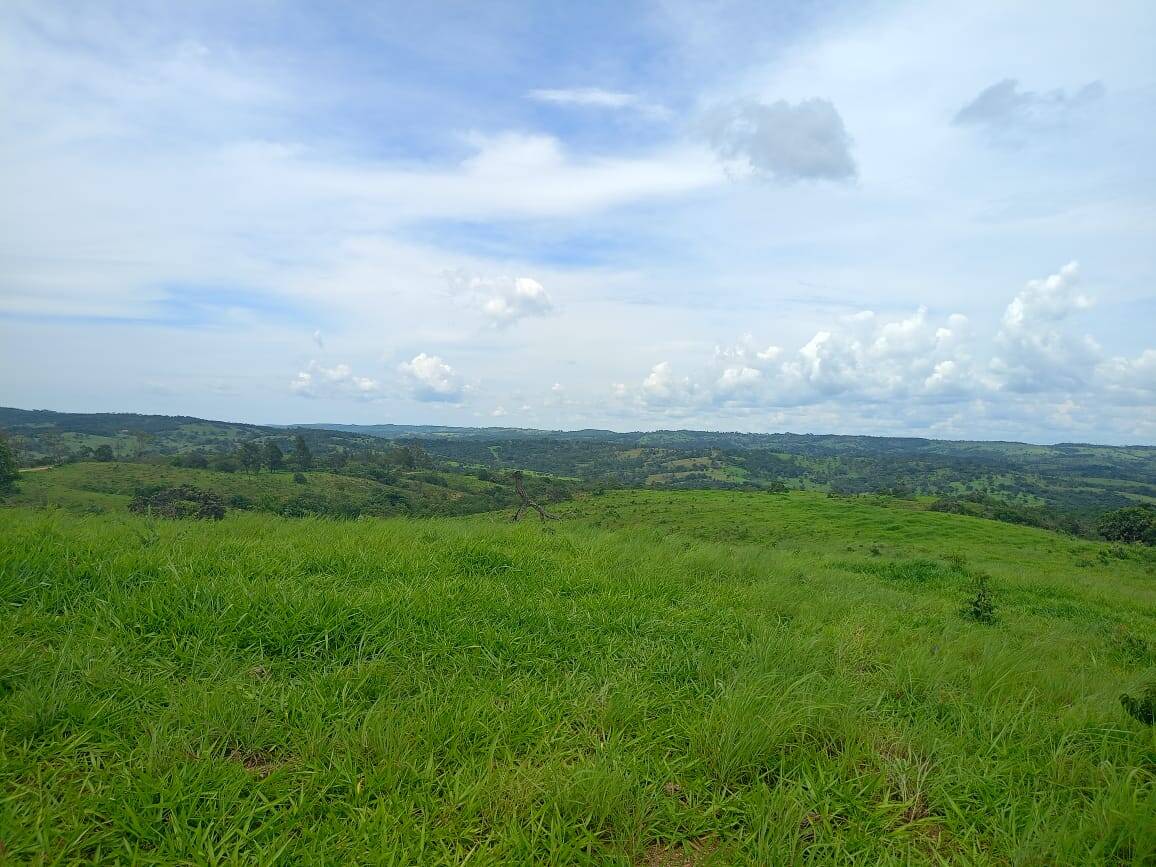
(225, 464)
(302, 457)
(197, 461)
(249, 457)
(274, 457)
(9, 472)
(143, 439)
(104, 453)
(1130, 524)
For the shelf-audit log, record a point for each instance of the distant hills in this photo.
(1063, 485)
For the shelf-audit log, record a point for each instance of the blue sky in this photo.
(891, 218)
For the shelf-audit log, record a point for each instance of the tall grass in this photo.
(267, 690)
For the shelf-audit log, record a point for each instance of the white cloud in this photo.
(331, 382)
(1033, 351)
(585, 96)
(432, 380)
(805, 141)
(662, 386)
(921, 364)
(595, 97)
(503, 300)
(1132, 379)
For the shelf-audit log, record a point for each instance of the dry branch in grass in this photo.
(520, 490)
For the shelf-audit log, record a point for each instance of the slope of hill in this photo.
(664, 678)
(97, 487)
(1063, 486)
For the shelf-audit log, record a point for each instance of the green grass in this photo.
(99, 487)
(658, 678)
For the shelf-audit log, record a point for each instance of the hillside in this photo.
(99, 487)
(1064, 486)
(658, 678)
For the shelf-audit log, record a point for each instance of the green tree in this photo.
(104, 453)
(302, 457)
(1130, 524)
(9, 472)
(249, 457)
(274, 457)
(143, 440)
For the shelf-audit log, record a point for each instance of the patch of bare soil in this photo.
(257, 762)
(693, 853)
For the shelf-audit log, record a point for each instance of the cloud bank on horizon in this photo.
(812, 217)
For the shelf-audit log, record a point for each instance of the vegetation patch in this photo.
(183, 501)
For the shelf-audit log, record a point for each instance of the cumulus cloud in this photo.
(1003, 108)
(1133, 379)
(804, 141)
(662, 386)
(865, 357)
(1033, 351)
(931, 369)
(432, 380)
(503, 300)
(319, 381)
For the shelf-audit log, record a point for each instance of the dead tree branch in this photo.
(526, 501)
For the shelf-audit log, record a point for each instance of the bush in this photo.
(1132, 524)
(980, 607)
(183, 501)
(300, 479)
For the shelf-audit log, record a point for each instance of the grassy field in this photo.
(673, 678)
(109, 487)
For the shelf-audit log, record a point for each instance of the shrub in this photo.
(240, 501)
(183, 501)
(980, 606)
(1132, 524)
(300, 479)
(1142, 709)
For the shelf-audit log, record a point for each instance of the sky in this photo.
(890, 218)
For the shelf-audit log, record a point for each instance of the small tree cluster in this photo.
(1132, 525)
(302, 457)
(183, 501)
(274, 457)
